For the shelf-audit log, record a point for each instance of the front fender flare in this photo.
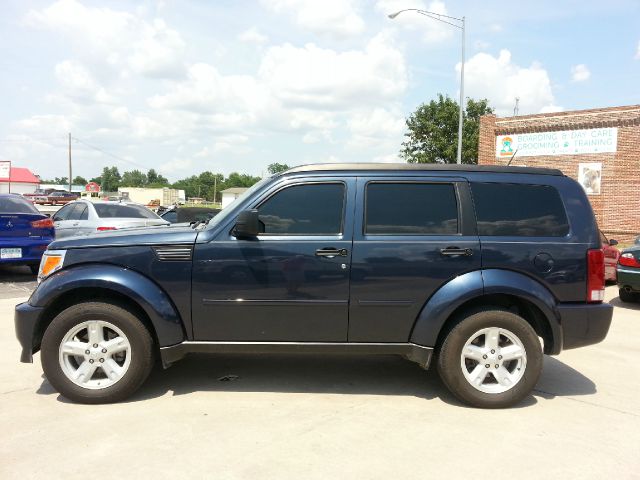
(475, 284)
(148, 295)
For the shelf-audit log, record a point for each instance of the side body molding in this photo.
(149, 296)
(476, 284)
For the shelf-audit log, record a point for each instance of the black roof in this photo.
(439, 167)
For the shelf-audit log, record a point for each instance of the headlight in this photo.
(52, 261)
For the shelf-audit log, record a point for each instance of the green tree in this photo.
(78, 180)
(433, 131)
(134, 178)
(277, 168)
(236, 179)
(154, 179)
(109, 181)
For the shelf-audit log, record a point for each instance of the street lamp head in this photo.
(394, 15)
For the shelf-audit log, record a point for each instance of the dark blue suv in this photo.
(481, 268)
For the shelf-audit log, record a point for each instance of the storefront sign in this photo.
(565, 142)
(5, 170)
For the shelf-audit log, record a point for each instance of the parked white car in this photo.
(83, 217)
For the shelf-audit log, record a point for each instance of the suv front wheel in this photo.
(491, 359)
(96, 353)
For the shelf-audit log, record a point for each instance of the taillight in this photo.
(628, 260)
(595, 275)
(44, 223)
(102, 229)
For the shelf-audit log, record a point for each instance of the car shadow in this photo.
(330, 374)
(616, 302)
(16, 273)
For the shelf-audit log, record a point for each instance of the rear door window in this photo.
(411, 209)
(79, 212)
(63, 213)
(519, 210)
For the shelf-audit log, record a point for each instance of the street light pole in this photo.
(461, 113)
(461, 25)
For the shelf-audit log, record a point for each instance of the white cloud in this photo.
(149, 48)
(79, 84)
(580, 73)
(551, 109)
(252, 35)
(315, 77)
(432, 31)
(335, 17)
(376, 128)
(638, 51)
(500, 80)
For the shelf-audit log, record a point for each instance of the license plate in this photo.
(10, 253)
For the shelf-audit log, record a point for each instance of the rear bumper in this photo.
(629, 277)
(32, 250)
(26, 320)
(584, 324)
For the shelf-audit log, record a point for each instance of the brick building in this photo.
(600, 148)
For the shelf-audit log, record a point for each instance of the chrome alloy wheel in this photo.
(95, 354)
(493, 360)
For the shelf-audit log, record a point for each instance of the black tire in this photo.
(450, 352)
(626, 296)
(34, 269)
(142, 353)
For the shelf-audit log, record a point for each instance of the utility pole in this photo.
(70, 176)
(516, 109)
(215, 187)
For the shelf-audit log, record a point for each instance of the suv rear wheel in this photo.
(491, 359)
(96, 353)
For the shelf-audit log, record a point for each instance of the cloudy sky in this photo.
(186, 86)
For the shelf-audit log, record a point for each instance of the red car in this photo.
(611, 254)
(56, 198)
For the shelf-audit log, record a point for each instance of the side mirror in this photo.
(613, 242)
(247, 224)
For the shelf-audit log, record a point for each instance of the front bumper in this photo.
(584, 324)
(26, 320)
(629, 277)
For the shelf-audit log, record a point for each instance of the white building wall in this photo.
(227, 198)
(18, 187)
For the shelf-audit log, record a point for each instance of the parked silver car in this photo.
(83, 217)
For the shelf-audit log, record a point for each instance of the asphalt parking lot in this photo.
(296, 416)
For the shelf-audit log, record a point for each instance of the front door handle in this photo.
(332, 252)
(455, 251)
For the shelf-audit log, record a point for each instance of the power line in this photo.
(104, 152)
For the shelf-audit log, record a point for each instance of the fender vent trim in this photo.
(174, 253)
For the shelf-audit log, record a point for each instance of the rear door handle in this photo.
(332, 252)
(455, 251)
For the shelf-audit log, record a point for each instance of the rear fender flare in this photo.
(469, 286)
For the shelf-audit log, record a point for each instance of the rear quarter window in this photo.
(519, 210)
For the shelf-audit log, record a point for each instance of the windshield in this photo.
(122, 210)
(226, 211)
